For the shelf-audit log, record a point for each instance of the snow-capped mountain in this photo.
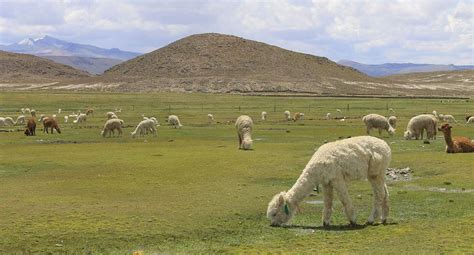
(50, 46)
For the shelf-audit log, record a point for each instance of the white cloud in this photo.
(362, 30)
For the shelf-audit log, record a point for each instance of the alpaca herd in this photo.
(332, 166)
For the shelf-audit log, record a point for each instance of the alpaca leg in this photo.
(343, 194)
(379, 195)
(328, 194)
(240, 142)
(385, 206)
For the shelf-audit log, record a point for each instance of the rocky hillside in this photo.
(23, 68)
(224, 63)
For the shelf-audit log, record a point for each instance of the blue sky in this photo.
(367, 31)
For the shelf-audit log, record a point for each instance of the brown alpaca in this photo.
(50, 123)
(89, 112)
(297, 116)
(30, 127)
(458, 144)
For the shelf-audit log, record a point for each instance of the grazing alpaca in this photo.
(287, 115)
(264, 116)
(110, 126)
(50, 123)
(376, 121)
(173, 120)
(328, 115)
(89, 112)
(30, 127)
(7, 121)
(332, 165)
(244, 124)
(210, 117)
(458, 144)
(298, 116)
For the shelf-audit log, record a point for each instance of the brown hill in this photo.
(23, 68)
(224, 63)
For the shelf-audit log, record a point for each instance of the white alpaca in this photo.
(378, 122)
(81, 118)
(143, 127)
(328, 115)
(332, 165)
(27, 110)
(210, 117)
(435, 113)
(339, 112)
(7, 121)
(110, 115)
(264, 116)
(66, 119)
(59, 111)
(470, 120)
(287, 115)
(418, 124)
(54, 116)
(449, 118)
(22, 110)
(33, 113)
(42, 118)
(20, 120)
(174, 121)
(244, 124)
(392, 120)
(110, 126)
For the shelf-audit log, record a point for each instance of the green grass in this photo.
(192, 191)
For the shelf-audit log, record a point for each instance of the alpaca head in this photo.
(102, 133)
(27, 132)
(278, 211)
(247, 143)
(407, 135)
(446, 128)
(391, 130)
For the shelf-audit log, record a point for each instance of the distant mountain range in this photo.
(85, 57)
(401, 68)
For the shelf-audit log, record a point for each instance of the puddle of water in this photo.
(438, 189)
(314, 202)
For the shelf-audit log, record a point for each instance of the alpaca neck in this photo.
(301, 189)
(246, 136)
(448, 139)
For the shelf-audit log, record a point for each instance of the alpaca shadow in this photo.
(337, 227)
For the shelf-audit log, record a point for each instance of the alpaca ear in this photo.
(281, 199)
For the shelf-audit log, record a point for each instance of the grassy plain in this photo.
(191, 190)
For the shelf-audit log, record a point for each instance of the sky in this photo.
(366, 31)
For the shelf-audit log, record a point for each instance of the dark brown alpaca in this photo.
(457, 144)
(50, 123)
(30, 127)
